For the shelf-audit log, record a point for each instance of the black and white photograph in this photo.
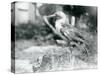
(53, 37)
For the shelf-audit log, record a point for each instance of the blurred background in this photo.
(27, 17)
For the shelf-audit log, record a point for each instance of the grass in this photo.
(30, 49)
(63, 59)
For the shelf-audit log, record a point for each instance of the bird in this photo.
(76, 38)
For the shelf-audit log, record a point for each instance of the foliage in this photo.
(29, 31)
(47, 9)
